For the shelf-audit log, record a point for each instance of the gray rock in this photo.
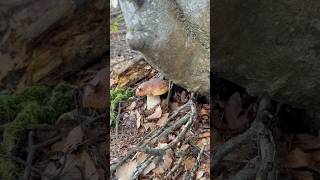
(174, 37)
(270, 46)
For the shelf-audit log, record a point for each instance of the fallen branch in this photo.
(196, 165)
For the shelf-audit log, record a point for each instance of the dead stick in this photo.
(20, 161)
(141, 167)
(176, 166)
(30, 156)
(169, 93)
(196, 165)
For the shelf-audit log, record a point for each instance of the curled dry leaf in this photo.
(184, 147)
(199, 174)
(163, 120)
(138, 118)
(125, 171)
(157, 114)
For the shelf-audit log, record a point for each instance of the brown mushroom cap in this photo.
(153, 87)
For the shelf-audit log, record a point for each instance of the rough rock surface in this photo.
(48, 41)
(270, 46)
(174, 37)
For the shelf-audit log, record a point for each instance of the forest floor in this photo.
(135, 122)
(285, 145)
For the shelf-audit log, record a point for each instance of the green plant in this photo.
(117, 95)
(22, 109)
(115, 25)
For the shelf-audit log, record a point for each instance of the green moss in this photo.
(117, 95)
(28, 106)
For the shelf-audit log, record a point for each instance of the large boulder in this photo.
(270, 46)
(174, 37)
(49, 41)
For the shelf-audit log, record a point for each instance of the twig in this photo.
(30, 156)
(196, 165)
(117, 120)
(176, 166)
(18, 160)
(169, 93)
(141, 167)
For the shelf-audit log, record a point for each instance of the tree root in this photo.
(154, 136)
(259, 134)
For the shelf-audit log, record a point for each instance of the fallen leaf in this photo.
(132, 106)
(199, 174)
(157, 114)
(73, 139)
(184, 147)
(297, 158)
(232, 112)
(149, 168)
(188, 163)
(163, 120)
(125, 171)
(149, 126)
(90, 170)
(165, 165)
(138, 118)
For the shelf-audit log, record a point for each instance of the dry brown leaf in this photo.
(203, 142)
(74, 138)
(199, 174)
(149, 168)
(297, 158)
(90, 169)
(188, 163)
(132, 106)
(232, 110)
(138, 118)
(184, 147)
(149, 126)
(163, 120)
(157, 114)
(165, 165)
(125, 171)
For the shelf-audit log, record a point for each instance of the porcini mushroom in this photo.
(152, 89)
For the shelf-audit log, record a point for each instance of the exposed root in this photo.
(259, 134)
(154, 136)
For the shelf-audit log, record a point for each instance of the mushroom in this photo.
(152, 89)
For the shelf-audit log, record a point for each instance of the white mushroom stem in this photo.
(152, 101)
